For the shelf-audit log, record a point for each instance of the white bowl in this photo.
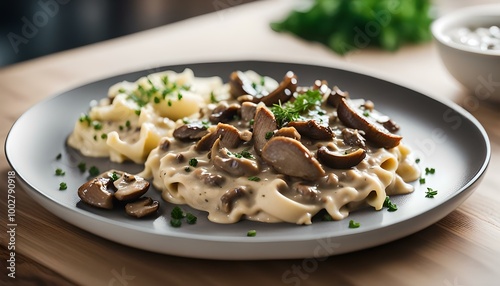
(478, 70)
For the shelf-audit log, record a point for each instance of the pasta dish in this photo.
(251, 148)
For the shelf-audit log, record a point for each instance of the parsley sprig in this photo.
(292, 110)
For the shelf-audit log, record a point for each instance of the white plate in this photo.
(444, 136)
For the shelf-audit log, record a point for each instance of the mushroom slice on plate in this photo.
(130, 187)
(225, 161)
(230, 137)
(337, 160)
(264, 126)
(96, 193)
(375, 133)
(289, 157)
(312, 129)
(190, 132)
(142, 207)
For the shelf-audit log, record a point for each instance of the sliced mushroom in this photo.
(96, 193)
(224, 113)
(375, 133)
(289, 157)
(353, 138)
(264, 125)
(289, 132)
(336, 160)
(312, 129)
(144, 206)
(230, 137)
(209, 179)
(230, 196)
(130, 187)
(335, 95)
(248, 110)
(240, 87)
(190, 132)
(236, 167)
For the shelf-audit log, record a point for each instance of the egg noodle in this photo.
(179, 126)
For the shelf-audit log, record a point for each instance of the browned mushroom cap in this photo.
(95, 193)
(335, 95)
(142, 207)
(241, 86)
(282, 93)
(312, 129)
(340, 161)
(374, 132)
(289, 132)
(237, 167)
(264, 125)
(230, 137)
(224, 113)
(289, 157)
(230, 196)
(190, 132)
(130, 187)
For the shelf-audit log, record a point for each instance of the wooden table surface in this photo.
(461, 249)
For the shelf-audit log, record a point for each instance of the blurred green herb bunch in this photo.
(346, 25)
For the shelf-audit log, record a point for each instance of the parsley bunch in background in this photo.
(346, 25)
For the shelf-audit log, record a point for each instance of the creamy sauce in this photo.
(264, 195)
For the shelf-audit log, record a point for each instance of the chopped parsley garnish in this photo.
(104, 136)
(93, 171)
(243, 154)
(175, 222)
(59, 156)
(254, 178)
(430, 171)
(327, 217)
(430, 193)
(291, 111)
(115, 176)
(82, 167)
(366, 113)
(85, 118)
(97, 125)
(60, 172)
(353, 224)
(269, 135)
(127, 124)
(187, 169)
(417, 160)
(252, 233)
(191, 218)
(193, 162)
(422, 181)
(177, 213)
(390, 205)
(212, 98)
(63, 186)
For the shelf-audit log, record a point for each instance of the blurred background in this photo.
(30, 29)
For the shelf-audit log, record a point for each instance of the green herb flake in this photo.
(254, 178)
(291, 110)
(193, 162)
(157, 100)
(104, 136)
(422, 181)
(179, 96)
(59, 156)
(177, 213)
(97, 125)
(94, 171)
(251, 233)
(169, 103)
(366, 113)
(390, 205)
(213, 99)
(417, 160)
(85, 118)
(60, 172)
(63, 186)
(175, 222)
(82, 167)
(269, 135)
(114, 176)
(353, 224)
(327, 217)
(430, 193)
(138, 112)
(187, 169)
(191, 218)
(430, 171)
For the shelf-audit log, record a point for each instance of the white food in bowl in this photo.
(478, 69)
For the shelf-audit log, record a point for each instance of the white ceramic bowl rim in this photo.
(463, 17)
